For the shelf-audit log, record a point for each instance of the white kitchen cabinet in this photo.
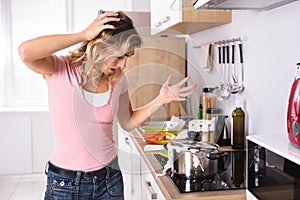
(129, 162)
(162, 16)
(149, 187)
(26, 142)
(273, 165)
(179, 17)
(15, 144)
(41, 140)
(138, 180)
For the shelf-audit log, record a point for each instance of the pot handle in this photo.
(218, 155)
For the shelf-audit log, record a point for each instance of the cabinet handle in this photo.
(150, 190)
(167, 18)
(127, 140)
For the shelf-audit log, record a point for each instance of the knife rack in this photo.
(240, 39)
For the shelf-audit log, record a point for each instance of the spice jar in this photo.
(209, 100)
(201, 130)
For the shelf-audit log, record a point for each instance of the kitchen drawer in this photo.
(150, 189)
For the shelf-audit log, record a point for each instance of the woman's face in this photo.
(114, 63)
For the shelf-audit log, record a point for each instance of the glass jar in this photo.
(217, 124)
(208, 100)
(203, 130)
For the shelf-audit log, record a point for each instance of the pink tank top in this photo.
(83, 137)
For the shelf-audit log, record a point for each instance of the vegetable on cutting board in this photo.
(158, 137)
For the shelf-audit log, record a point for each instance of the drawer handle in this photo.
(150, 190)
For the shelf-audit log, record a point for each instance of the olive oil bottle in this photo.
(238, 127)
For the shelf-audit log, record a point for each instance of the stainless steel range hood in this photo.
(240, 4)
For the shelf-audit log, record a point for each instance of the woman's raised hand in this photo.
(176, 92)
(99, 24)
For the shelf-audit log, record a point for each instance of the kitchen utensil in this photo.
(242, 67)
(239, 86)
(293, 114)
(227, 70)
(218, 88)
(225, 87)
(234, 78)
(194, 159)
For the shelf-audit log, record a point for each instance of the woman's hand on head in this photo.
(176, 92)
(99, 24)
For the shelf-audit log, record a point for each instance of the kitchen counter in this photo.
(168, 188)
(278, 144)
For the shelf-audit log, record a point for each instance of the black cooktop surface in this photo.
(231, 175)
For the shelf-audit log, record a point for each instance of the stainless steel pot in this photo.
(194, 159)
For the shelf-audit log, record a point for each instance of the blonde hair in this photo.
(110, 42)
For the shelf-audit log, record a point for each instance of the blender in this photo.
(293, 113)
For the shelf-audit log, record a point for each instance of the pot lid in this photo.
(191, 144)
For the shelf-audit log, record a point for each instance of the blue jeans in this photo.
(105, 186)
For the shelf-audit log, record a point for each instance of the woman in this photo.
(87, 89)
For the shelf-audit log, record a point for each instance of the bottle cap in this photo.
(208, 90)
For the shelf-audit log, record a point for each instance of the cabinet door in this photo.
(164, 14)
(124, 156)
(180, 17)
(135, 173)
(150, 189)
(150, 66)
(129, 162)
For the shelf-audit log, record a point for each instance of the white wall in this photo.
(271, 54)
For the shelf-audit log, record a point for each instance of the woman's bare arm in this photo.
(130, 119)
(36, 53)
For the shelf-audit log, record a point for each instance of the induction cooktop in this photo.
(231, 176)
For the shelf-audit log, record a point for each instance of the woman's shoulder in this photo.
(63, 68)
(60, 61)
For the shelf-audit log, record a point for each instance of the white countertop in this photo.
(279, 144)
